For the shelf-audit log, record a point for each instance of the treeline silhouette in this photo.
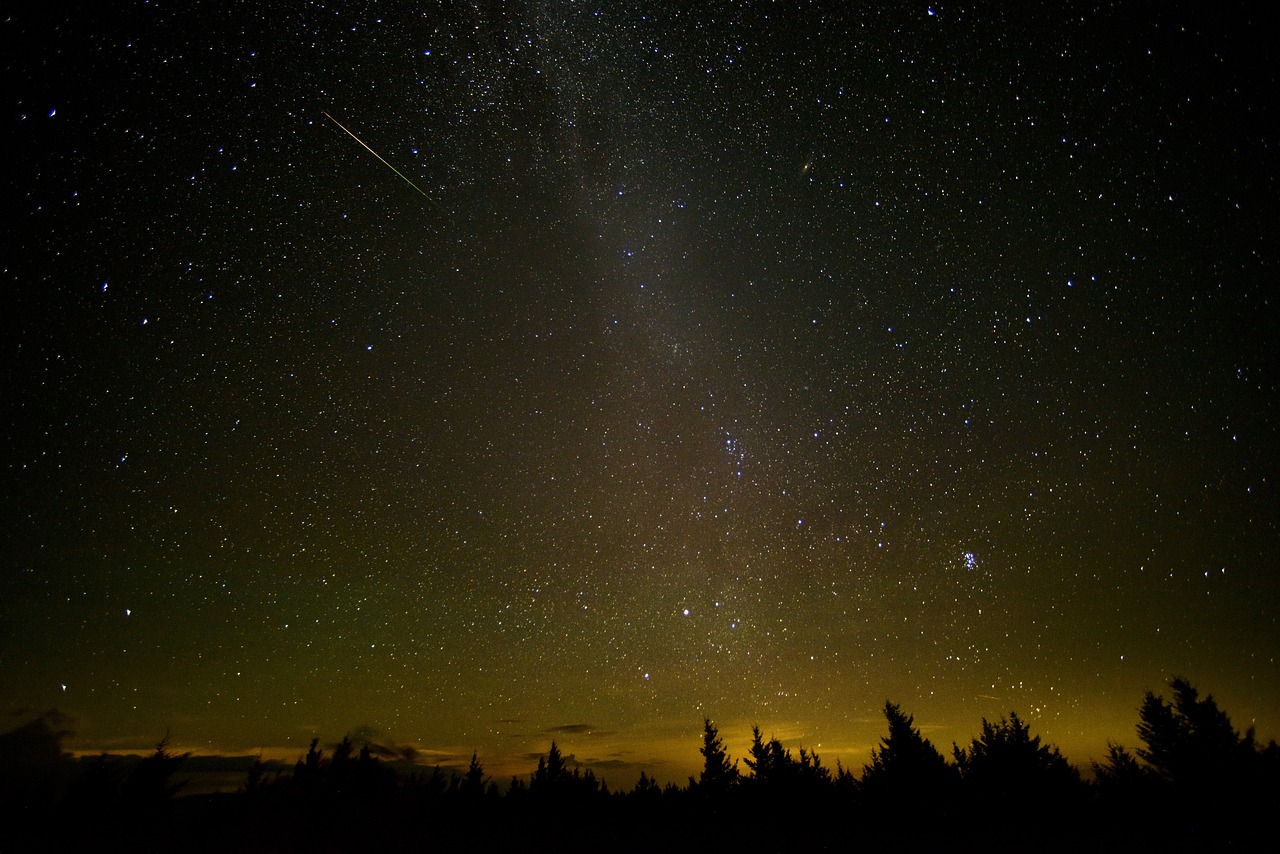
(1195, 783)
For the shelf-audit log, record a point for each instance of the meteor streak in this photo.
(379, 156)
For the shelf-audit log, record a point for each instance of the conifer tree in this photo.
(473, 780)
(718, 774)
(1189, 739)
(1007, 762)
(906, 765)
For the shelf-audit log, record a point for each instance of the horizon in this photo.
(675, 767)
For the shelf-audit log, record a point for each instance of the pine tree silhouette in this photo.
(1189, 742)
(1007, 760)
(907, 775)
(770, 763)
(718, 774)
(646, 789)
(1193, 776)
(1031, 781)
(1194, 783)
(473, 780)
(550, 774)
(150, 785)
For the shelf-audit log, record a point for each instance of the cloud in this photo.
(386, 748)
(619, 768)
(608, 764)
(578, 729)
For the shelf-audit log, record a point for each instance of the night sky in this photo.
(759, 361)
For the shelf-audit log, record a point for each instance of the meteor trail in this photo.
(379, 156)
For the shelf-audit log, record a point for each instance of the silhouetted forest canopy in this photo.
(1192, 782)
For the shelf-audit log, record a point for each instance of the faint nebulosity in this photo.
(758, 361)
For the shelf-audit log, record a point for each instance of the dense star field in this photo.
(469, 375)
